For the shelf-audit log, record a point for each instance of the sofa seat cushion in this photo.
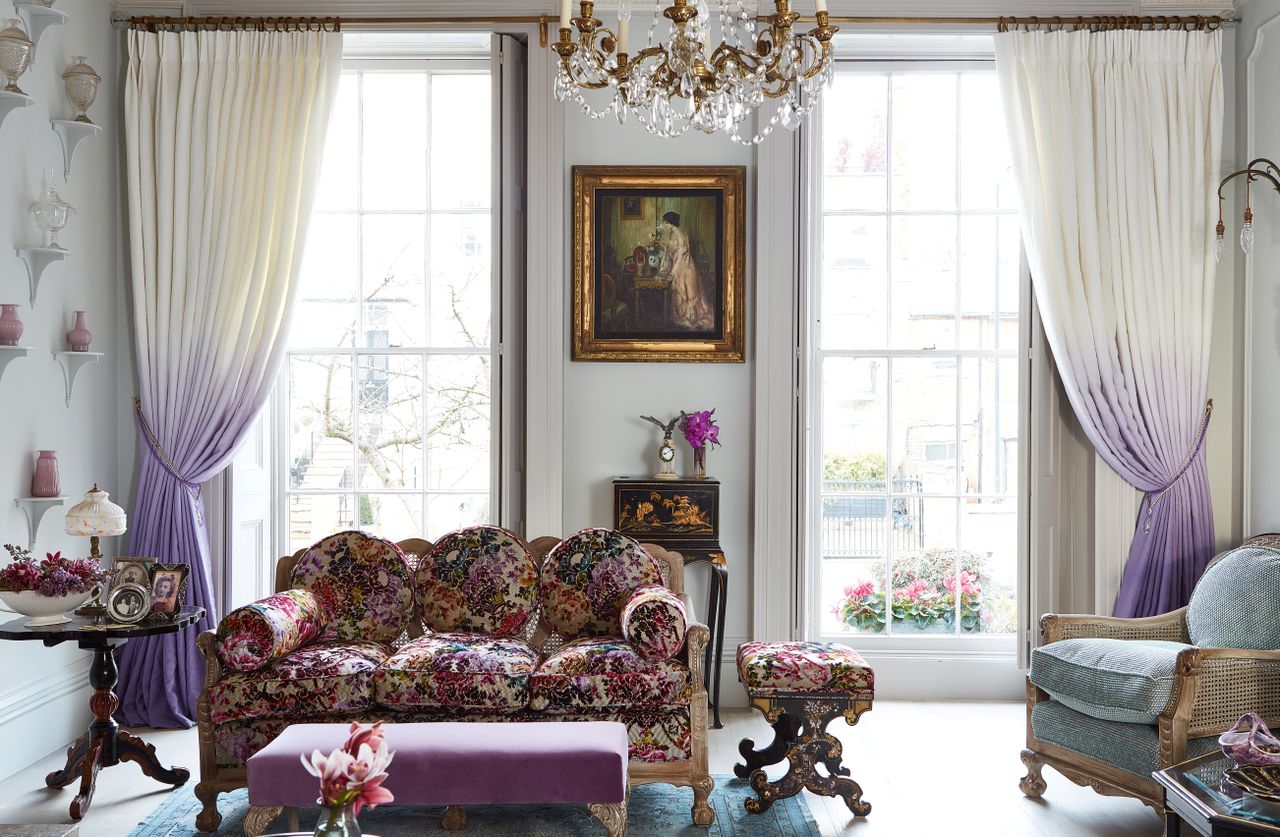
(1133, 748)
(1234, 603)
(588, 577)
(606, 673)
(1112, 679)
(364, 583)
(654, 621)
(770, 668)
(264, 631)
(322, 677)
(459, 671)
(478, 580)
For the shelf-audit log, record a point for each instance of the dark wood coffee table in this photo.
(1197, 801)
(105, 744)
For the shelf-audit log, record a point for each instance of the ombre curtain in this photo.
(224, 133)
(1116, 139)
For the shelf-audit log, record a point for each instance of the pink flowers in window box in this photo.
(352, 775)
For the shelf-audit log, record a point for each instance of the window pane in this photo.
(395, 141)
(461, 280)
(447, 512)
(924, 282)
(924, 425)
(989, 425)
(855, 158)
(989, 534)
(923, 149)
(986, 178)
(460, 144)
(314, 516)
(393, 291)
(390, 392)
(393, 516)
(853, 600)
(853, 282)
(458, 393)
(979, 278)
(338, 175)
(324, 315)
(854, 423)
(320, 452)
(924, 565)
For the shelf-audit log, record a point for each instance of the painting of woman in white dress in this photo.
(657, 265)
(689, 306)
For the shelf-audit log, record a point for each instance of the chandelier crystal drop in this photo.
(687, 83)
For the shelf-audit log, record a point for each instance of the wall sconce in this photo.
(1260, 167)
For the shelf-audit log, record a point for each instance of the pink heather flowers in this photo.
(353, 774)
(54, 576)
(700, 428)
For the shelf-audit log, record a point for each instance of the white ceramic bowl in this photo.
(46, 610)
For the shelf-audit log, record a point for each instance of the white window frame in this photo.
(498, 417)
(985, 648)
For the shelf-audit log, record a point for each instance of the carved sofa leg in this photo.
(208, 819)
(612, 815)
(1033, 784)
(703, 814)
(255, 824)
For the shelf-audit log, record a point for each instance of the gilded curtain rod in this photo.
(1096, 23)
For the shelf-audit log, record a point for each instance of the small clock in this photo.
(666, 460)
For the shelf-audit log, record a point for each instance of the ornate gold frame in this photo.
(731, 347)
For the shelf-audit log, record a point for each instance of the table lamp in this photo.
(95, 517)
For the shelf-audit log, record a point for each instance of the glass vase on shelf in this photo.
(700, 463)
(338, 821)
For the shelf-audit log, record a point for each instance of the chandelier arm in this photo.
(1253, 174)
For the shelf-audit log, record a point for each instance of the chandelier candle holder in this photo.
(684, 83)
(1259, 168)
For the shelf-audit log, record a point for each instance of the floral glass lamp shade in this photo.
(96, 517)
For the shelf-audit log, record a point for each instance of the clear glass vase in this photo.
(700, 463)
(337, 822)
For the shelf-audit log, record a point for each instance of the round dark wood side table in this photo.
(105, 744)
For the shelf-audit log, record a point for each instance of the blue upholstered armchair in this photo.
(1111, 700)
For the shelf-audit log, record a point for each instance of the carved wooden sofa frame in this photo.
(691, 773)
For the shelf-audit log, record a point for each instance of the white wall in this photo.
(1259, 136)
(604, 436)
(44, 693)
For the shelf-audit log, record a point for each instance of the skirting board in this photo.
(43, 715)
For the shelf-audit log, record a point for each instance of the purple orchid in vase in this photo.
(700, 431)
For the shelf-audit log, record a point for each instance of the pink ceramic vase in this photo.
(79, 337)
(44, 482)
(10, 326)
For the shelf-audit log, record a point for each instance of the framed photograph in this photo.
(128, 603)
(658, 260)
(128, 570)
(168, 588)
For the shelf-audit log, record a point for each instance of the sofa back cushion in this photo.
(362, 581)
(264, 631)
(588, 577)
(478, 580)
(1234, 604)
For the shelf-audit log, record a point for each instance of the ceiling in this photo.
(897, 8)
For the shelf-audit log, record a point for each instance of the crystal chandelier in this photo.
(685, 83)
(1259, 168)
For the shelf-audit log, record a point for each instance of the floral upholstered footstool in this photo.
(800, 687)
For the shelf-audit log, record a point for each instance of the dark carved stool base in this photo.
(800, 736)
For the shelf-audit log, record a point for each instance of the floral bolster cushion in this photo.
(363, 582)
(260, 633)
(588, 577)
(480, 579)
(653, 621)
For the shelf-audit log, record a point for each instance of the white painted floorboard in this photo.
(948, 769)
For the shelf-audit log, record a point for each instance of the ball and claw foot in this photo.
(1033, 784)
(703, 814)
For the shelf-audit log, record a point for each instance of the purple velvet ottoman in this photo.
(455, 764)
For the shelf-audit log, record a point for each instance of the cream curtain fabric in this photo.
(1116, 138)
(224, 134)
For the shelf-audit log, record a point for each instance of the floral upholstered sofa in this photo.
(479, 626)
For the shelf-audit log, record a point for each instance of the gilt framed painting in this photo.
(658, 264)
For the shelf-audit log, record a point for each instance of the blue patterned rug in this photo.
(654, 811)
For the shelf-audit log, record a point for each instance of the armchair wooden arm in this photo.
(1214, 687)
(1171, 627)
